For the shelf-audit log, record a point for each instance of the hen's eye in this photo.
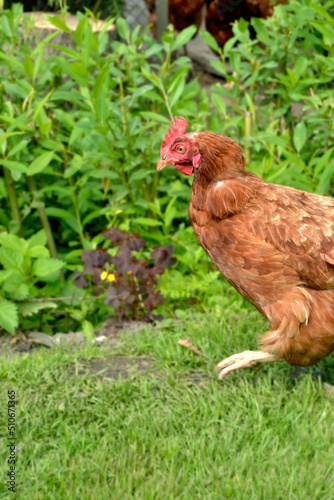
(180, 149)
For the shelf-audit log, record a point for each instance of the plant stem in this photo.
(14, 207)
(43, 218)
(74, 199)
(248, 129)
(165, 96)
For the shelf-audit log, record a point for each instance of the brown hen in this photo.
(274, 244)
(221, 14)
(182, 13)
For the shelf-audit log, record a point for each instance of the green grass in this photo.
(259, 434)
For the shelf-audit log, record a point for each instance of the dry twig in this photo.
(188, 345)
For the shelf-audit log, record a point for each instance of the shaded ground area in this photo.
(108, 338)
(108, 335)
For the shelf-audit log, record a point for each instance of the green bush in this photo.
(27, 272)
(80, 136)
(105, 7)
(81, 132)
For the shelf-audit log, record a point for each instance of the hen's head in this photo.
(213, 155)
(179, 149)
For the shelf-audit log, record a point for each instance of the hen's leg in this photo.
(244, 359)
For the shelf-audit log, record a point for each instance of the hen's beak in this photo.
(162, 164)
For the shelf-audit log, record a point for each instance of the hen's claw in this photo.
(244, 359)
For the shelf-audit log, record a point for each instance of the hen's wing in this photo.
(299, 225)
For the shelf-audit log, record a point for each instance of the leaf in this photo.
(47, 269)
(65, 215)
(40, 163)
(273, 139)
(104, 174)
(38, 251)
(326, 175)
(40, 105)
(11, 259)
(17, 90)
(79, 69)
(322, 161)
(142, 90)
(5, 136)
(242, 24)
(123, 28)
(14, 166)
(146, 221)
(102, 105)
(21, 145)
(299, 136)
(151, 76)
(11, 60)
(250, 105)
(30, 308)
(261, 30)
(38, 239)
(229, 44)
(13, 241)
(8, 316)
(16, 291)
(184, 37)
(59, 23)
(218, 66)
(138, 175)
(219, 103)
(100, 82)
(155, 117)
(38, 63)
(300, 66)
(326, 32)
(75, 165)
(79, 32)
(7, 24)
(177, 94)
(28, 66)
(177, 79)
(4, 275)
(208, 38)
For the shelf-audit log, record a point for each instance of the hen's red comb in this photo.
(178, 128)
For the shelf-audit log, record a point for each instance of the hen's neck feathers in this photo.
(221, 158)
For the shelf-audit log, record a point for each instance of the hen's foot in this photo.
(244, 359)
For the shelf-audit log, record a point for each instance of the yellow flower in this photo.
(129, 272)
(118, 212)
(107, 276)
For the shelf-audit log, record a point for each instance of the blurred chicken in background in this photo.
(182, 13)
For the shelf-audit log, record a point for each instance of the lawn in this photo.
(171, 431)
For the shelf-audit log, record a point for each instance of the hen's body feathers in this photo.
(275, 245)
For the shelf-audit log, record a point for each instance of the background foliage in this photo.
(81, 127)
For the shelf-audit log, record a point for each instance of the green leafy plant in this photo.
(76, 170)
(126, 278)
(27, 271)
